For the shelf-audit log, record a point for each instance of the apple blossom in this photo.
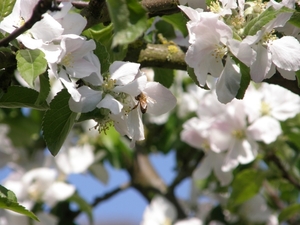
(43, 31)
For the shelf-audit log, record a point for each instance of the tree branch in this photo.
(157, 55)
(285, 174)
(102, 198)
(42, 7)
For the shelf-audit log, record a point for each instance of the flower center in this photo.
(238, 134)
(215, 7)
(219, 52)
(68, 60)
(265, 108)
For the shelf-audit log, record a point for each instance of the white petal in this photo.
(47, 29)
(58, 191)
(88, 100)
(123, 72)
(109, 102)
(75, 159)
(163, 98)
(261, 65)
(133, 88)
(286, 53)
(265, 129)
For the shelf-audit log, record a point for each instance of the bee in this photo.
(142, 101)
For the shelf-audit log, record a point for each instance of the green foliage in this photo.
(245, 185)
(263, 19)
(83, 206)
(245, 79)
(6, 7)
(129, 20)
(8, 201)
(289, 212)
(31, 63)
(58, 121)
(164, 76)
(295, 19)
(118, 152)
(17, 97)
(166, 29)
(178, 20)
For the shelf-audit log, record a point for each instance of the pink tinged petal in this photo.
(229, 82)
(88, 100)
(286, 53)
(194, 132)
(285, 104)
(262, 64)
(58, 191)
(220, 138)
(69, 85)
(133, 88)
(248, 151)
(191, 13)
(123, 72)
(47, 29)
(109, 102)
(242, 51)
(265, 129)
(231, 159)
(161, 98)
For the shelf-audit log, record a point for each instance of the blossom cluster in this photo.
(119, 95)
(229, 134)
(253, 33)
(40, 179)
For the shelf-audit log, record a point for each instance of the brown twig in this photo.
(102, 198)
(42, 7)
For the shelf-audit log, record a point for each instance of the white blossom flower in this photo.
(75, 159)
(39, 184)
(160, 211)
(42, 32)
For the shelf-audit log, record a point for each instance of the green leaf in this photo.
(30, 64)
(245, 79)
(295, 19)
(83, 206)
(246, 184)
(5, 193)
(129, 20)
(166, 29)
(289, 212)
(58, 121)
(164, 76)
(44, 89)
(178, 20)
(8, 201)
(6, 7)
(18, 97)
(263, 19)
